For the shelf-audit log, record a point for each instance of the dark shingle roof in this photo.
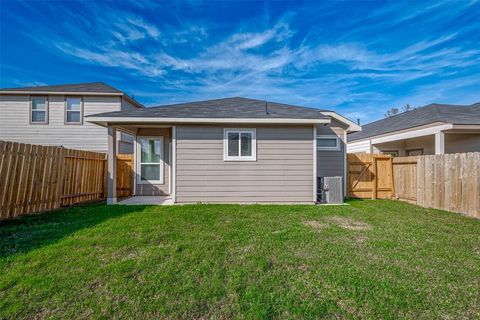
(97, 87)
(226, 108)
(454, 114)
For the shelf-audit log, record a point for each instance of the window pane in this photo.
(73, 116)
(150, 150)
(39, 104)
(246, 144)
(73, 104)
(327, 142)
(233, 138)
(38, 116)
(150, 172)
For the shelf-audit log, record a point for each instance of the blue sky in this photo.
(358, 58)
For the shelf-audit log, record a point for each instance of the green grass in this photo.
(371, 259)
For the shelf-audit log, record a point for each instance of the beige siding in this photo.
(427, 143)
(15, 123)
(283, 171)
(157, 189)
(459, 142)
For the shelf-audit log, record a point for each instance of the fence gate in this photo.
(124, 175)
(370, 176)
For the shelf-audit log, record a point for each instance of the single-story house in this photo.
(432, 129)
(232, 150)
(54, 115)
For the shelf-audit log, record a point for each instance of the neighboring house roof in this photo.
(91, 88)
(453, 114)
(218, 110)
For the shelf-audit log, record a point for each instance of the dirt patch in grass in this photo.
(350, 224)
(361, 239)
(315, 224)
(477, 251)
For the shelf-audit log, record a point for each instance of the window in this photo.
(239, 145)
(149, 160)
(73, 110)
(393, 153)
(414, 152)
(331, 143)
(39, 110)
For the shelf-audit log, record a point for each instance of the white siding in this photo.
(359, 147)
(15, 122)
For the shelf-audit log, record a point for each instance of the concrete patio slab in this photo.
(148, 200)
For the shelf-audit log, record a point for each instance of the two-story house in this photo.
(54, 115)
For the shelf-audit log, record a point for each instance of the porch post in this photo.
(439, 142)
(112, 166)
(173, 165)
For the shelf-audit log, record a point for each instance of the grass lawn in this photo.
(371, 259)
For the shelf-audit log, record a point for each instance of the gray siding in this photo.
(15, 123)
(126, 143)
(283, 171)
(127, 106)
(157, 189)
(332, 163)
(125, 147)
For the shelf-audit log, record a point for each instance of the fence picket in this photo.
(448, 182)
(36, 178)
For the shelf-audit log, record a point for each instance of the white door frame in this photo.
(138, 160)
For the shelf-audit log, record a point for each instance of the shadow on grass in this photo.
(34, 231)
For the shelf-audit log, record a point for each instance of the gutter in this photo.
(105, 121)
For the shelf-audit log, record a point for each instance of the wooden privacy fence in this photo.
(447, 182)
(36, 178)
(370, 176)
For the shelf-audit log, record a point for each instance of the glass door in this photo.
(150, 160)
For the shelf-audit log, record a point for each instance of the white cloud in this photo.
(266, 61)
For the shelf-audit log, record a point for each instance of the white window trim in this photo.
(139, 161)
(253, 157)
(46, 109)
(67, 111)
(336, 148)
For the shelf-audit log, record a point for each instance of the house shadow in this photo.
(30, 232)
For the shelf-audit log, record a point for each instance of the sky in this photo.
(357, 58)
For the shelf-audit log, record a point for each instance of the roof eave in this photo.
(352, 126)
(104, 121)
(63, 93)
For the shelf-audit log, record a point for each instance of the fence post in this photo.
(374, 177)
